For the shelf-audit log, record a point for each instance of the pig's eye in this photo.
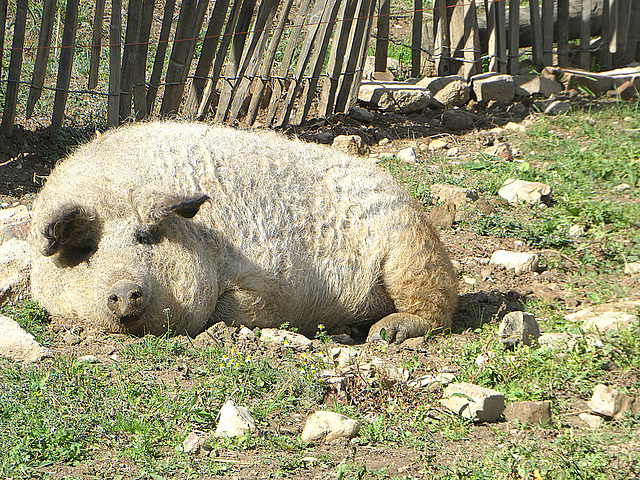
(146, 237)
(72, 255)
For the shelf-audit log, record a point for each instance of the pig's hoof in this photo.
(397, 327)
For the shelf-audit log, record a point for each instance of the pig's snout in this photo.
(125, 299)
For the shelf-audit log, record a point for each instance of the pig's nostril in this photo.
(113, 300)
(136, 295)
(125, 299)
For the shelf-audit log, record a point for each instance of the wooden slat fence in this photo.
(276, 62)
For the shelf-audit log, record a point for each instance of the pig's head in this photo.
(138, 266)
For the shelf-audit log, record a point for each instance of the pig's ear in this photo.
(63, 225)
(185, 206)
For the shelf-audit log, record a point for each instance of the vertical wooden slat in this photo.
(585, 34)
(416, 39)
(492, 33)
(611, 47)
(235, 58)
(536, 32)
(547, 32)
(624, 16)
(3, 22)
(140, 69)
(207, 54)
(267, 65)
(181, 46)
(501, 27)
(42, 55)
(362, 57)
(336, 59)
(209, 97)
(382, 36)
(134, 18)
(66, 63)
(287, 57)
(161, 51)
(15, 67)
(465, 40)
(319, 12)
(634, 33)
(250, 58)
(96, 44)
(514, 36)
(442, 47)
(358, 30)
(317, 61)
(115, 44)
(563, 32)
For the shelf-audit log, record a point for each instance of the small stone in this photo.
(516, 261)
(456, 119)
(594, 421)
(431, 381)
(533, 84)
(515, 127)
(437, 144)
(287, 339)
(518, 327)
(453, 194)
(408, 155)
(15, 268)
(493, 86)
(324, 427)
(235, 421)
(343, 356)
(474, 402)
(246, 334)
(610, 402)
(384, 142)
(18, 345)
(14, 215)
(536, 413)
(553, 107)
(324, 137)
(516, 191)
(610, 321)
(623, 187)
(352, 144)
(449, 91)
(72, 339)
(453, 152)
(499, 150)
(576, 231)
(193, 443)
(631, 268)
(362, 115)
(88, 359)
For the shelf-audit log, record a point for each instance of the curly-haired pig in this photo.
(179, 225)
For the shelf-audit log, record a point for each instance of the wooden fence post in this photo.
(562, 29)
(42, 55)
(416, 39)
(65, 65)
(161, 52)
(134, 18)
(536, 32)
(96, 44)
(3, 21)
(15, 67)
(547, 32)
(585, 35)
(514, 36)
(382, 36)
(115, 44)
(442, 42)
(631, 53)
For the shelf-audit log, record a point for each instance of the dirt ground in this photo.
(27, 157)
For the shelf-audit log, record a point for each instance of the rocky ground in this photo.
(487, 293)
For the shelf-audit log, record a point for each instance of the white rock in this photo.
(17, 344)
(632, 268)
(429, 381)
(611, 321)
(15, 268)
(437, 144)
(493, 86)
(453, 152)
(287, 339)
(396, 96)
(553, 107)
(527, 85)
(519, 262)
(344, 356)
(623, 187)
(458, 196)
(408, 155)
(451, 90)
(474, 402)
(518, 327)
(565, 341)
(576, 231)
(516, 191)
(246, 333)
(193, 443)
(323, 426)
(234, 420)
(594, 421)
(610, 402)
(88, 359)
